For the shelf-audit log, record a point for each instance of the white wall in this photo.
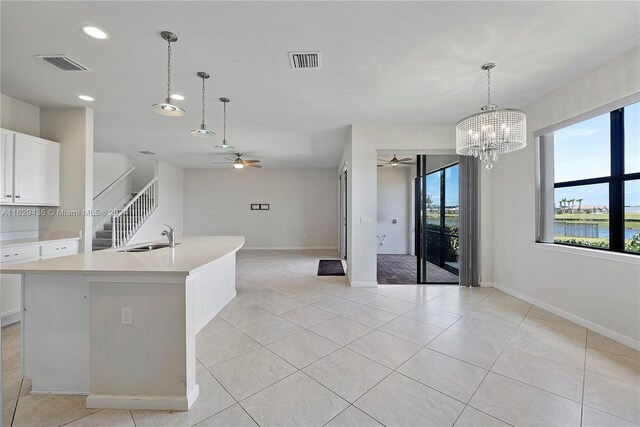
(145, 170)
(394, 201)
(170, 205)
(108, 167)
(19, 116)
(73, 129)
(601, 294)
(303, 206)
(362, 153)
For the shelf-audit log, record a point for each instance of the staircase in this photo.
(127, 221)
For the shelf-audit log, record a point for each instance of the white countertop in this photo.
(190, 254)
(46, 238)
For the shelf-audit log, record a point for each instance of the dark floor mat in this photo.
(330, 267)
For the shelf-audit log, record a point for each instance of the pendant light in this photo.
(166, 108)
(203, 131)
(491, 132)
(224, 144)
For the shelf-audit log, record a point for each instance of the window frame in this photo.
(546, 185)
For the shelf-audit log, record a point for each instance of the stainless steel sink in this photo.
(147, 248)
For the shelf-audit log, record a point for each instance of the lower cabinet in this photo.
(10, 289)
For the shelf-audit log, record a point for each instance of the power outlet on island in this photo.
(126, 316)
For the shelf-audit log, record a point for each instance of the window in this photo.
(589, 186)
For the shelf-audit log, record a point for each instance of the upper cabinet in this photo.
(30, 172)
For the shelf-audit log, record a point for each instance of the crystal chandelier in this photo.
(492, 132)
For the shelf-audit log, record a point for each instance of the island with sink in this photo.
(119, 325)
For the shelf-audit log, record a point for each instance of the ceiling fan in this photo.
(395, 162)
(239, 162)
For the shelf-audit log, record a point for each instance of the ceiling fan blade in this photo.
(252, 165)
(380, 166)
(231, 160)
(219, 163)
(408, 163)
(383, 160)
(251, 161)
(406, 159)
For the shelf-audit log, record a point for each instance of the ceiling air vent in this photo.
(304, 60)
(63, 62)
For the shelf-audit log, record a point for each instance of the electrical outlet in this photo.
(126, 316)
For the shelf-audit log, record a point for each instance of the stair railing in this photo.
(114, 183)
(128, 220)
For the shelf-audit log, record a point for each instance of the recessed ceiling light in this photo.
(95, 32)
(177, 97)
(86, 98)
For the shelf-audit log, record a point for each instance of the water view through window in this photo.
(596, 175)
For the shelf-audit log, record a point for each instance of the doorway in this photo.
(437, 219)
(343, 214)
(418, 220)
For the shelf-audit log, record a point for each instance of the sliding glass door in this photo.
(437, 222)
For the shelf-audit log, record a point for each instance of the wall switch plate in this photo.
(126, 315)
(365, 220)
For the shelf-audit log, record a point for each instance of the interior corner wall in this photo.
(170, 209)
(302, 212)
(394, 201)
(19, 116)
(601, 294)
(73, 129)
(107, 168)
(366, 140)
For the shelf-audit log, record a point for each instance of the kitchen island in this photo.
(120, 326)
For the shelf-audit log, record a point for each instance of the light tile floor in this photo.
(295, 349)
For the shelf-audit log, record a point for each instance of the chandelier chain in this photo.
(489, 87)
(203, 101)
(169, 70)
(224, 123)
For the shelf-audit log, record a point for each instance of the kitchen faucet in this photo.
(171, 235)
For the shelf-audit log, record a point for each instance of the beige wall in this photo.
(19, 116)
(602, 294)
(73, 129)
(303, 206)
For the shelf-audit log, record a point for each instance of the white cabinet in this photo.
(10, 284)
(30, 170)
(6, 163)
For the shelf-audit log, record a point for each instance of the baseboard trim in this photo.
(11, 317)
(289, 248)
(363, 284)
(623, 339)
(162, 403)
(487, 284)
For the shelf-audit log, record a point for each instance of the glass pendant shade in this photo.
(224, 145)
(167, 108)
(492, 132)
(202, 132)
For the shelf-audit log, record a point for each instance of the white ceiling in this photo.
(383, 62)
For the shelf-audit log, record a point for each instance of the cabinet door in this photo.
(36, 171)
(6, 167)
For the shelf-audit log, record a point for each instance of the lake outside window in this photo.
(589, 182)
